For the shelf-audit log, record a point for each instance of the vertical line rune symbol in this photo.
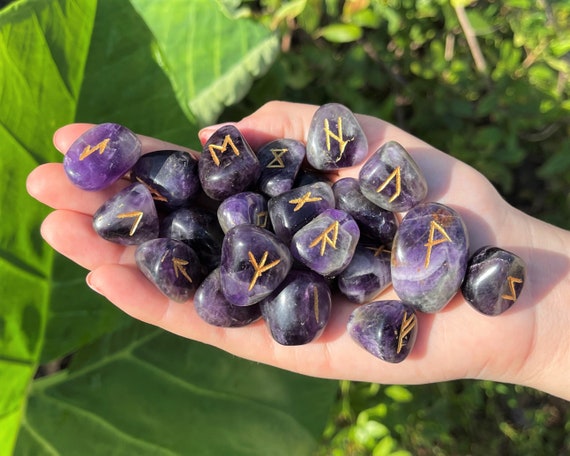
(316, 302)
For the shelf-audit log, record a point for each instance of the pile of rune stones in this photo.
(265, 234)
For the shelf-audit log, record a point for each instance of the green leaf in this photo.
(144, 391)
(340, 33)
(398, 393)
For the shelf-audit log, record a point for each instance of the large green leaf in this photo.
(143, 391)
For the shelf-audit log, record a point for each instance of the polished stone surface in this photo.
(253, 264)
(392, 179)
(494, 280)
(101, 156)
(280, 161)
(429, 256)
(386, 329)
(171, 265)
(244, 208)
(129, 217)
(335, 139)
(298, 311)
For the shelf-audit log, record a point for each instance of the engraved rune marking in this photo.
(407, 325)
(153, 191)
(179, 268)
(277, 161)
(261, 219)
(260, 267)
(513, 295)
(306, 198)
(227, 141)
(324, 238)
(378, 250)
(431, 241)
(316, 302)
(137, 215)
(394, 175)
(337, 137)
(91, 149)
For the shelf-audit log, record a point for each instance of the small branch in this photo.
(480, 62)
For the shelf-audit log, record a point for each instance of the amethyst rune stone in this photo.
(243, 208)
(171, 265)
(494, 280)
(367, 275)
(127, 218)
(294, 209)
(170, 175)
(227, 164)
(280, 161)
(375, 223)
(101, 156)
(327, 243)
(298, 311)
(212, 306)
(253, 264)
(429, 256)
(387, 329)
(391, 179)
(335, 139)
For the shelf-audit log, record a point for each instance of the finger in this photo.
(72, 235)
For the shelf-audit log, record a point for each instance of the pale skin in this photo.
(527, 345)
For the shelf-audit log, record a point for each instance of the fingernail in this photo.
(91, 284)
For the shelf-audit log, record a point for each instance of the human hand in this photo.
(525, 345)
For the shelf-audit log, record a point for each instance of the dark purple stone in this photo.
(367, 275)
(199, 229)
(171, 265)
(391, 179)
(494, 280)
(374, 222)
(170, 175)
(306, 177)
(253, 264)
(335, 139)
(212, 306)
(244, 208)
(292, 210)
(128, 218)
(386, 329)
(298, 311)
(327, 243)
(429, 256)
(101, 156)
(280, 161)
(227, 164)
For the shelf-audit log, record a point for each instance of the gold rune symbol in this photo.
(260, 267)
(324, 238)
(154, 192)
(261, 219)
(306, 198)
(338, 137)
(91, 149)
(316, 303)
(179, 268)
(137, 215)
(277, 161)
(394, 175)
(213, 148)
(431, 241)
(405, 328)
(513, 295)
(378, 250)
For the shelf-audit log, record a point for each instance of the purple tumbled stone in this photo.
(243, 208)
(306, 177)
(170, 175)
(386, 329)
(129, 217)
(494, 280)
(227, 164)
(171, 265)
(280, 161)
(327, 243)
(253, 264)
(292, 210)
(374, 222)
(429, 256)
(335, 139)
(298, 311)
(212, 306)
(101, 156)
(367, 275)
(391, 179)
